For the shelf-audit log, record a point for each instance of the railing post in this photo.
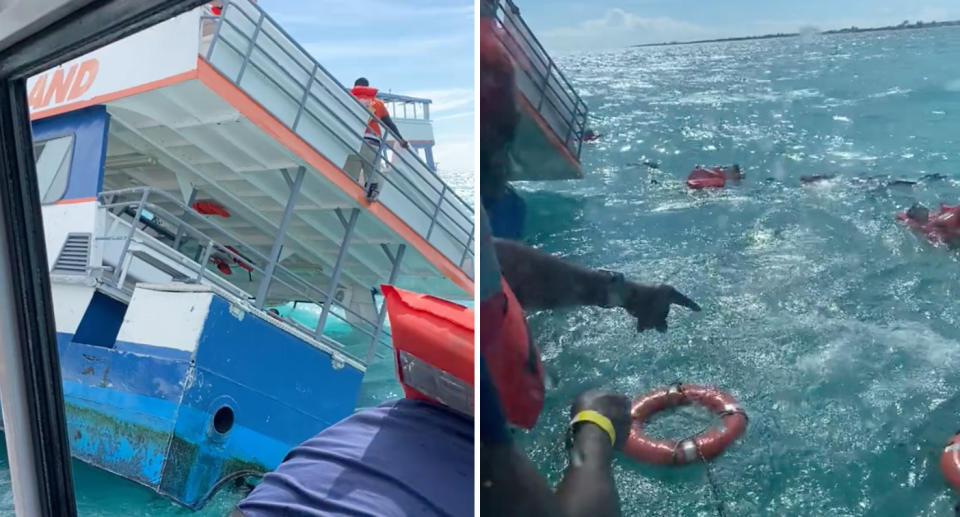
(543, 87)
(130, 234)
(436, 211)
(190, 200)
(216, 33)
(303, 100)
(278, 242)
(371, 353)
(573, 120)
(428, 150)
(253, 44)
(337, 267)
(466, 250)
(204, 257)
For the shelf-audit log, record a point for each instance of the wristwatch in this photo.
(616, 292)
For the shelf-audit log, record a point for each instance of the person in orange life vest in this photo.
(515, 277)
(216, 7)
(363, 166)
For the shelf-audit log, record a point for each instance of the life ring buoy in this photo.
(950, 461)
(705, 446)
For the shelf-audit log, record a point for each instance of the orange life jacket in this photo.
(368, 97)
(512, 358)
(433, 347)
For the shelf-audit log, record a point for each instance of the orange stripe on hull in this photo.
(105, 98)
(257, 114)
(75, 200)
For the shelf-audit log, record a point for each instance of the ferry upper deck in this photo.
(552, 117)
(226, 149)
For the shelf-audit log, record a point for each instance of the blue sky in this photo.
(422, 48)
(566, 25)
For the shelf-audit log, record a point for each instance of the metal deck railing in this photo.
(539, 79)
(189, 240)
(257, 55)
(397, 105)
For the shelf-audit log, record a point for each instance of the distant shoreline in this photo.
(848, 30)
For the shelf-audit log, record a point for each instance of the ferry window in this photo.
(53, 167)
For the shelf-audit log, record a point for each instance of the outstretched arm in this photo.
(393, 127)
(542, 281)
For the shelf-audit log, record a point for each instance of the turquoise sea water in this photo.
(835, 327)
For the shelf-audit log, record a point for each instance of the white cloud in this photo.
(619, 28)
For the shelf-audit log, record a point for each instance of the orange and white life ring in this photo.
(704, 446)
(950, 461)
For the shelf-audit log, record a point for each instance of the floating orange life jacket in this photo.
(433, 347)
(368, 97)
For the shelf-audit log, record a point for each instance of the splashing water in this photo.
(836, 328)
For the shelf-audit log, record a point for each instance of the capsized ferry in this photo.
(193, 178)
(552, 116)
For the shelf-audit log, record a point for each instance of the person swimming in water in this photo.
(590, 135)
(732, 172)
(944, 227)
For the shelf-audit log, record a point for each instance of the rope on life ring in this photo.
(704, 446)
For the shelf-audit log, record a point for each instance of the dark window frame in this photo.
(90, 26)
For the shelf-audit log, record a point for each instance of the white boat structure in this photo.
(193, 176)
(552, 117)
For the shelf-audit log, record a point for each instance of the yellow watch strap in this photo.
(596, 418)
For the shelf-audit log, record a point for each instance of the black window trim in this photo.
(91, 26)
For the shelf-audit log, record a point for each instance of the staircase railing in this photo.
(248, 46)
(142, 208)
(539, 79)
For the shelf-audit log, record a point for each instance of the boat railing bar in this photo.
(263, 15)
(544, 82)
(220, 248)
(380, 150)
(462, 210)
(532, 40)
(287, 278)
(382, 175)
(545, 70)
(316, 67)
(309, 94)
(202, 271)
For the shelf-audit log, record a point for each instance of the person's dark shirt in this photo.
(401, 459)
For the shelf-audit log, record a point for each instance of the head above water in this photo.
(918, 213)
(362, 81)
